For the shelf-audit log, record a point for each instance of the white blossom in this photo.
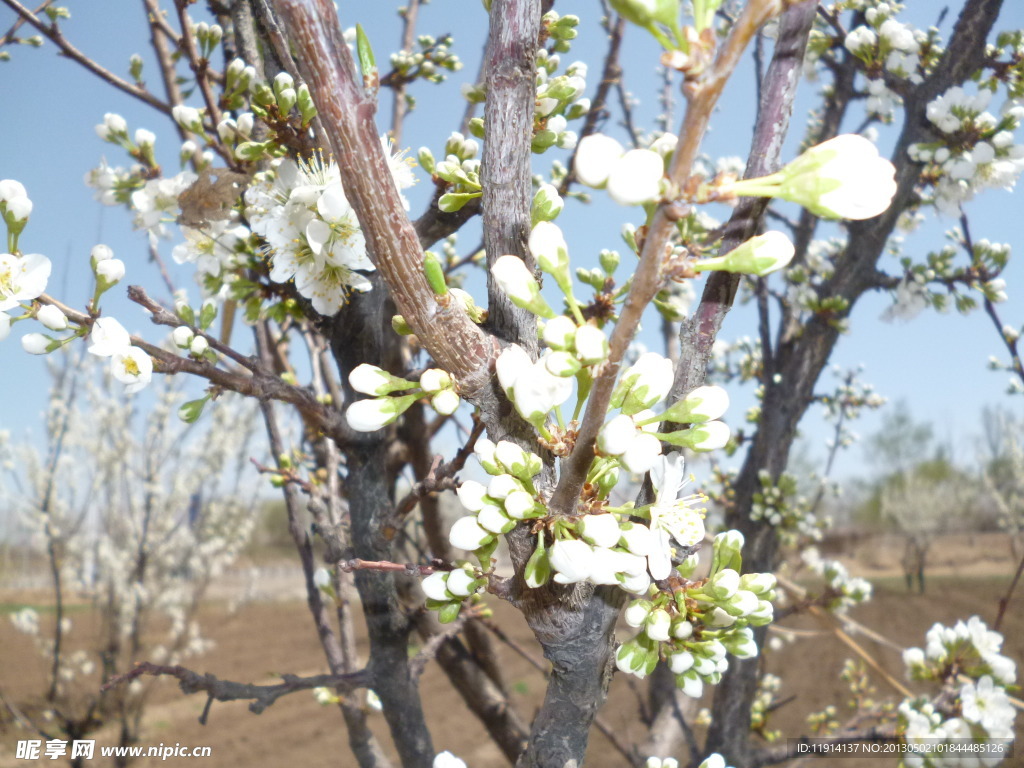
(22, 278)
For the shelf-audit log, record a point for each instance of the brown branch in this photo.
(1004, 601)
(260, 696)
(408, 38)
(10, 36)
(440, 477)
(646, 280)
(433, 645)
(355, 564)
(52, 32)
(261, 384)
(347, 113)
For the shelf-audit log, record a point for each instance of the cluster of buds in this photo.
(561, 30)
(693, 627)
(375, 413)
(239, 78)
(559, 98)
(631, 178)
(208, 37)
(974, 706)
(185, 338)
(233, 131)
(15, 208)
(633, 437)
(781, 505)
(843, 591)
(446, 590)
(282, 104)
(430, 62)
(460, 168)
(977, 150)
(510, 496)
(114, 129)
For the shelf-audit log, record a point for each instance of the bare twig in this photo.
(399, 104)
(52, 32)
(1004, 601)
(610, 75)
(646, 280)
(440, 477)
(413, 569)
(260, 696)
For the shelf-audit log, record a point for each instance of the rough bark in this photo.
(347, 110)
(362, 333)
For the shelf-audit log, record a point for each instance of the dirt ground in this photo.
(273, 635)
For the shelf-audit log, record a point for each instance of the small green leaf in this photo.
(207, 314)
(367, 64)
(435, 274)
(449, 613)
(454, 201)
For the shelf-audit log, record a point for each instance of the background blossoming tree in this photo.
(290, 206)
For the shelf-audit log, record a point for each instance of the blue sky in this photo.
(937, 363)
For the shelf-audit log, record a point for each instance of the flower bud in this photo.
(637, 612)
(591, 344)
(373, 414)
(35, 343)
(658, 624)
(445, 402)
(758, 256)
(52, 318)
(471, 494)
(182, 337)
(615, 436)
(521, 505)
(559, 332)
(109, 273)
(600, 530)
(434, 587)
(502, 485)
(469, 535)
(187, 117)
(199, 346)
(643, 384)
(461, 582)
(702, 404)
(494, 520)
(709, 436)
(515, 280)
(547, 244)
(434, 380)
(680, 662)
(562, 364)
(547, 203)
(538, 568)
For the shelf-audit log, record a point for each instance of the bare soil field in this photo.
(264, 638)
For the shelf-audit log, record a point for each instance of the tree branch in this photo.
(261, 696)
(52, 32)
(347, 113)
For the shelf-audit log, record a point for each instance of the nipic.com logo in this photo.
(37, 749)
